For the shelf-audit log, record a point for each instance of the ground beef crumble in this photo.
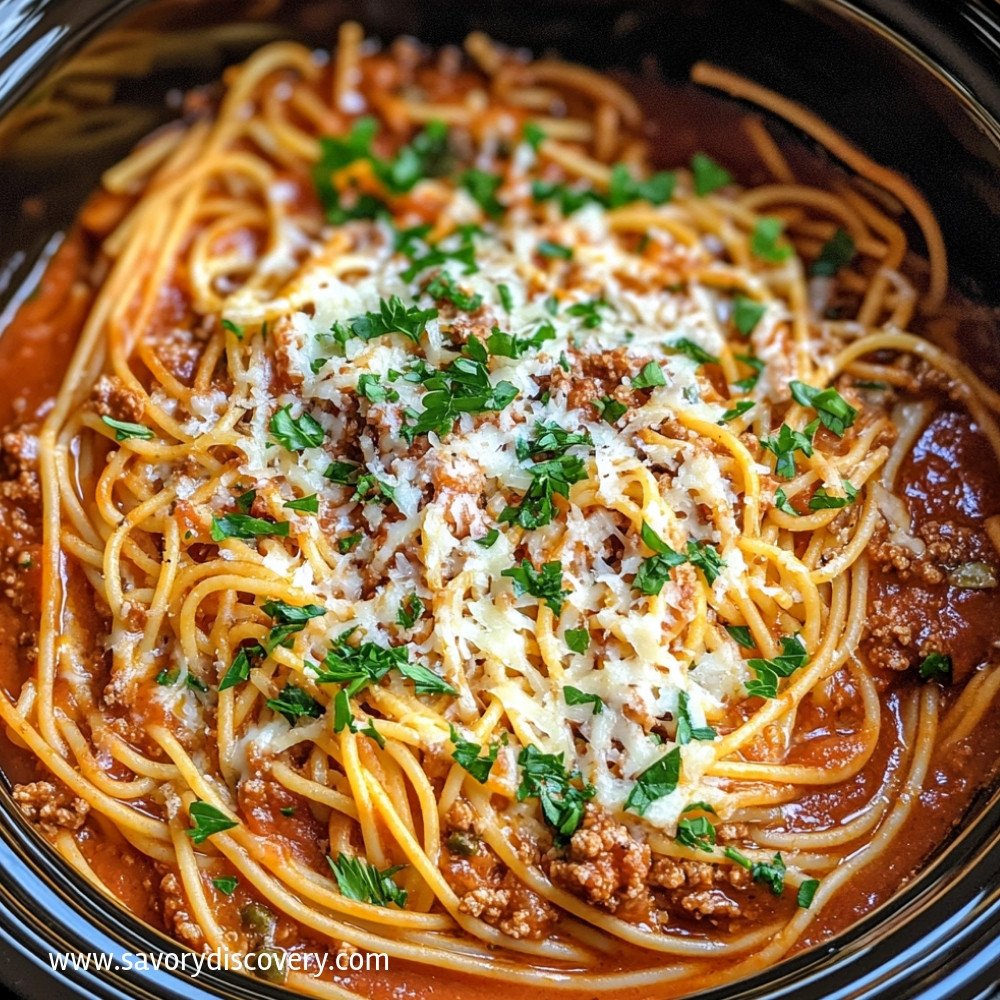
(486, 888)
(52, 806)
(176, 917)
(698, 888)
(112, 398)
(593, 376)
(603, 863)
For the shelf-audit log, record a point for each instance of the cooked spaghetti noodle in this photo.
(481, 527)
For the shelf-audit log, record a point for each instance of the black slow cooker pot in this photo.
(916, 84)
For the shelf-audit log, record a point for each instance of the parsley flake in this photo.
(793, 656)
(361, 881)
(562, 797)
(295, 433)
(708, 175)
(574, 696)
(207, 820)
(659, 779)
(467, 755)
(546, 584)
(125, 430)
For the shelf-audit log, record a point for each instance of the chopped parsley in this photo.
(570, 199)
(624, 188)
(577, 639)
(344, 719)
(360, 665)
(168, 678)
(370, 489)
(706, 558)
(697, 833)
(226, 884)
(359, 880)
(708, 175)
(691, 350)
(837, 252)
(125, 430)
(793, 656)
(610, 409)
(442, 287)
(550, 438)
(655, 570)
(650, 375)
(288, 620)
(393, 316)
(555, 475)
(742, 635)
(824, 500)
(546, 584)
(562, 794)
(425, 681)
(737, 410)
(806, 893)
(367, 663)
(574, 696)
(467, 756)
(936, 667)
(483, 187)
(756, 366)
(588, 312)
(463, 386)
(342, 473)
(834, 412)
(425, 156)
(554, 251)
(659, 779)
(207, 820)
(747, 314)
(785, 443)
(783, 504)
(239, 669)
(509, 345)
(234, 328)
(766, 243)
(464, 254)
(534, 135)
(304, 505)
(245, 526)
(506, 298)
(410, 610)
(295, 433)
(769, 873)
(372, 389)
(347, 543)
(488, 539)
(686, 731)
(294, 702)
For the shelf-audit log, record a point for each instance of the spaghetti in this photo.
(481, 524)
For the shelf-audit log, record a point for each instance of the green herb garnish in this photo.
(793, 656)
(359, 880)
(659, 779)
(206, 821)
(574, 696)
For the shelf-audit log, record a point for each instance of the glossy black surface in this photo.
(916, 84)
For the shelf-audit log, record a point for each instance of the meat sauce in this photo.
(950, 483)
